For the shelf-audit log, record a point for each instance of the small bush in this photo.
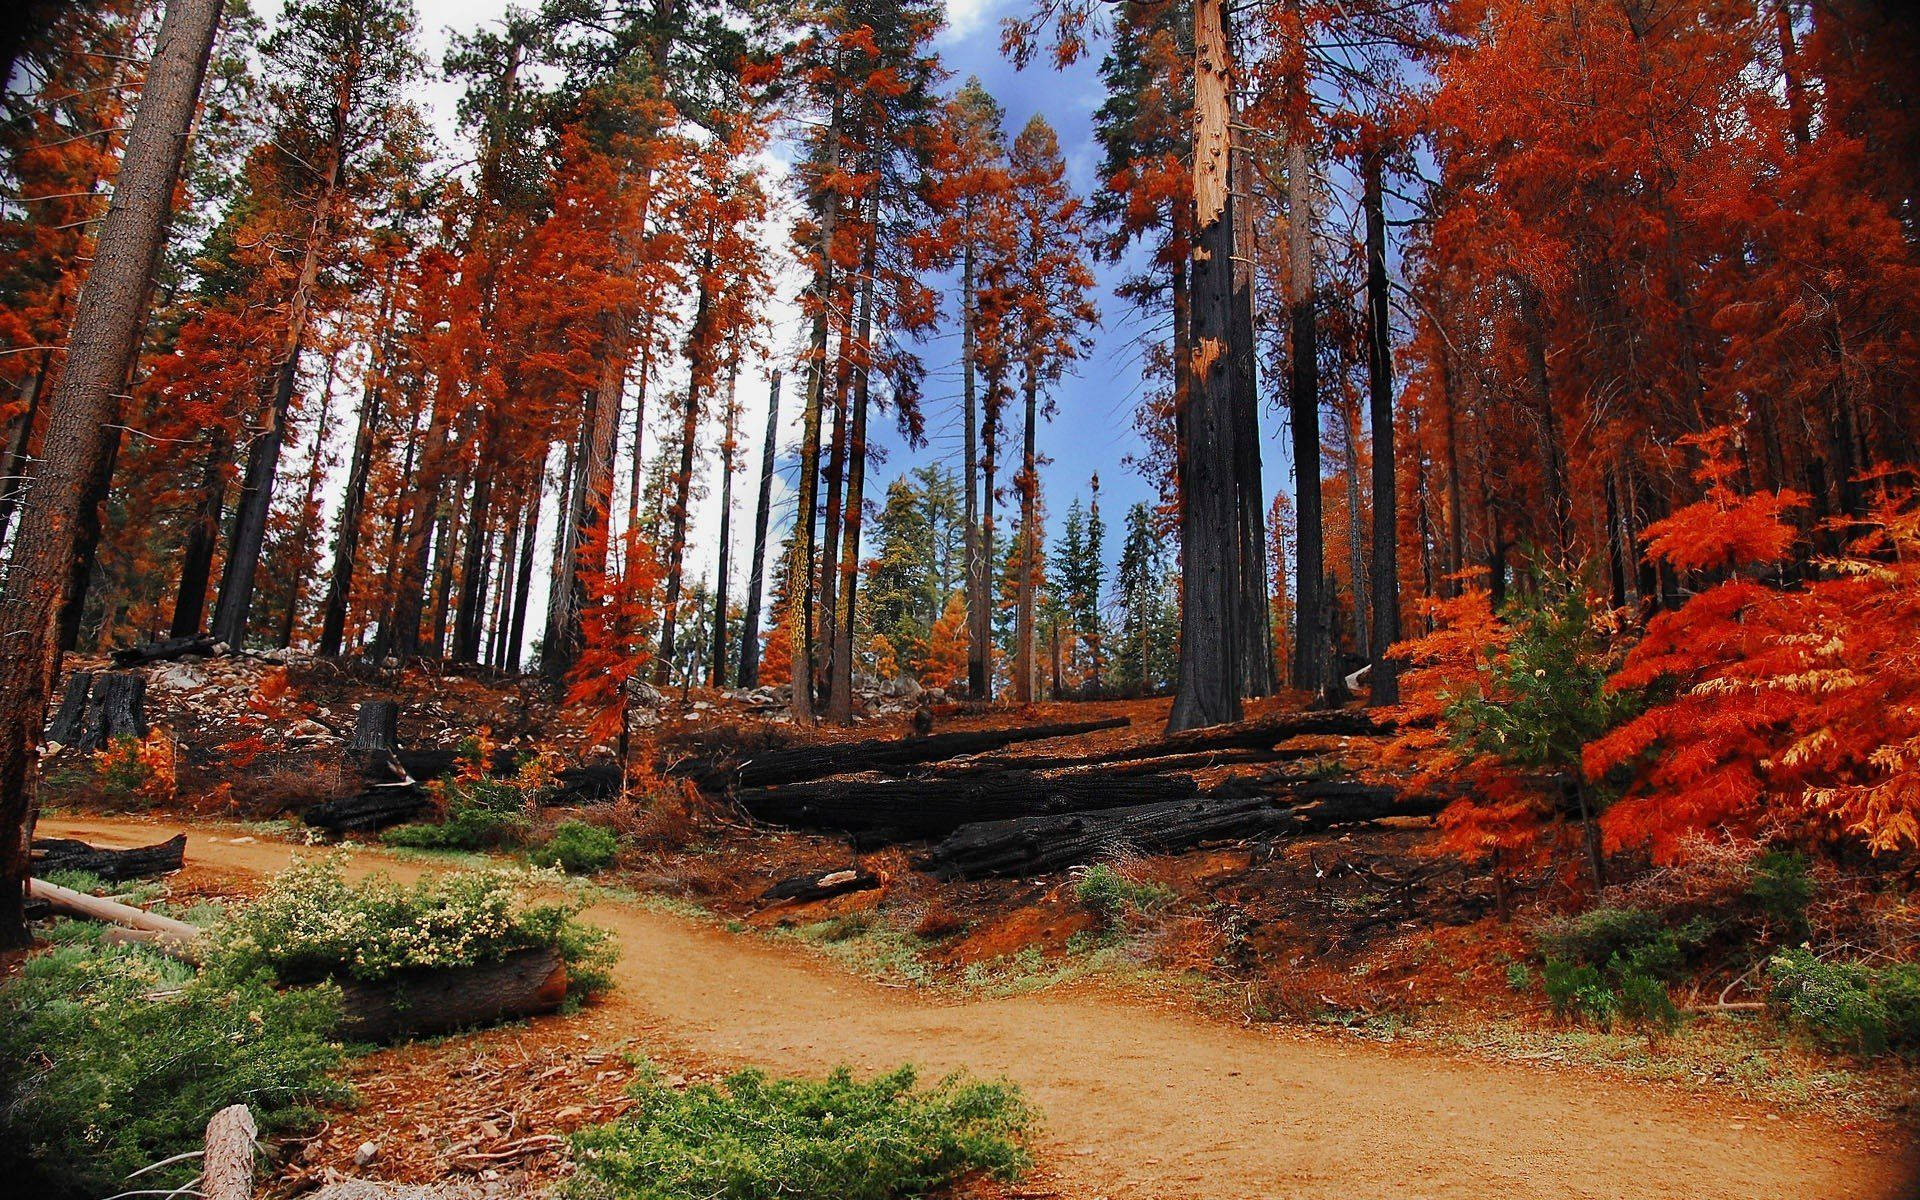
(1615, 964)
(112, 1059)
(1850, 1006)
(578, 848)
(481, 814)
(311, 924)
(756, 1138)
(1113, 897)
(1519, 977)
(1780, 889)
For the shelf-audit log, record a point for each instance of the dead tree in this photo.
(100, 709)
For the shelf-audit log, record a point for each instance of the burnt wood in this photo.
(522, 984)
(165, 650)
(375, 728)
(880, 754)
(1041, 844)
(374, 808)
(823, 885)
(68, 854)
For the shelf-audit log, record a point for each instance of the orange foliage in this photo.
(1793, 708)
(615, 626)
(945, 664)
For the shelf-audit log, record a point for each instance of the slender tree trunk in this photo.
(840, 680)
(203, 535)
(1384, 682)
(1553, 462)
(640, 423)
(750, 634)
(303, 531)
(1256, 644)
(474, 565)
(502, 614)
(346, 543)
(828, 569)
(717, 662)
(800, 565)
(248, 537)
(979, 618)
(1313, 647)
(989, 461)
(699, 371)
(1211, 674)
(523, 587)
(101, 344)
(1028, 483)
(13, 471)
(1356, 529)
(87, 530)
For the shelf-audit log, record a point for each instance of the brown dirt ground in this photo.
(1142, 1098)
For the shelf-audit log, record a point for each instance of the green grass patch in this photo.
(752, 1137)
(577, 848)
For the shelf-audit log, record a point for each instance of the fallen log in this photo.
(1263, 733)
(433, 763)
(1116, 764)
(226, 1156)
(169, 936)
(1042, 844)
(597, 783)
(67, 854)
(886, 810)
(436, 1000)
(374, 808)
(823, 885)
(164, 650)
(877, 754)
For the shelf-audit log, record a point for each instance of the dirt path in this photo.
(1148, 1101)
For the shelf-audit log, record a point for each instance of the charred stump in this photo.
(99, 709)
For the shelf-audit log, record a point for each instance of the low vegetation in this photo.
(112, 1058)
(311, 924)
(752, 1137)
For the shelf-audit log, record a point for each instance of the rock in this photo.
(367, 1152)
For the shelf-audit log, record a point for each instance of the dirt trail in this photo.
(1145, 1100)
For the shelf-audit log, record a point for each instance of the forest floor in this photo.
(1142, 1094)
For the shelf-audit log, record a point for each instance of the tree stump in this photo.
(70, 720)
(100, 708)
(376, 728)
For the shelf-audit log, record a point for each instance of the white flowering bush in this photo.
(312, 924)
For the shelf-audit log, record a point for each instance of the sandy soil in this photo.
(1147, 1100)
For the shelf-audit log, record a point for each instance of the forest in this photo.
(1387, 527)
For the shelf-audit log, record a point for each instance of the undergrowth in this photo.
(113, 1058)
(753, 1137)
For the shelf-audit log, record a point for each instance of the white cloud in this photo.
(964, 17)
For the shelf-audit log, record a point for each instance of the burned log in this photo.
(1120, 763)
(166, 650)
(597, 783)
(884, 810)
(432, 764)
(67, 854)
(823, 885)
(374, 808)
(99, 709)
(880, 754)
(1041, 844)
(436, 1000)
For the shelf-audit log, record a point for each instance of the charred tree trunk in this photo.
(1312, 643)
(829, 564)
(196, 558)
(979, 627)
(1210, 636)
(1028, 483)
(523, 586)
(87, 543)
(880, 754)
(1385, 680)
(700, 372)
(101, 344)
(750, 635)
(1256, 632)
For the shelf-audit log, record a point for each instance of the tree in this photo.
(1042, 290)
(100, 349)
(617, 623)
(756, 576)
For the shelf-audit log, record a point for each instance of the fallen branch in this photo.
(176, 938)
(226, 1167)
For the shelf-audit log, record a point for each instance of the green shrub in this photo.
(1519, 977)
(578, 848)
(756, 1138)
(112, 1058)
(1780, 889)
(1851, 1006)
(481, 814)
(1615, 964)
(311, 924)
(1113, 897)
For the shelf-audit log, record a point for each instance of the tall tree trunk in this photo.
(346, 542)
(1384, 683)
(730, 421)
(699, 372)
(474, 565)
(1313, 646)
(13, 470)
(1553, 461)
(829, 574)
(640, 424)
(303, 530)
(1256, 634)
(1211, 674)
(979, 618)
(502, 615)
(800, 565)
(101, 344)
(87, 530)
(248, 537)
(523, 587)
(750, 634)
(840, 679)
(989, 462)
(1356, 529)
(1028, 484)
